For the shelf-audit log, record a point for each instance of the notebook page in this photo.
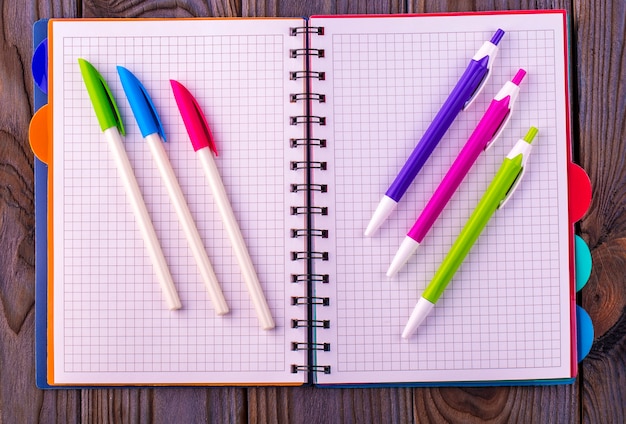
(506, 313)
(110, 321)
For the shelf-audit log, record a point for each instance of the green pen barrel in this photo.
(496, 192)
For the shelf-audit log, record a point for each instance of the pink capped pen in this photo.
(487, 131)
(203, 144)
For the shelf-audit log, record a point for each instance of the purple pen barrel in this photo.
(462, 92)
(461, 96)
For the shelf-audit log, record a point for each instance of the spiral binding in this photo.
(294, 75)
(322, 188)
(309, 120)
(298, 300)
(297, 142)
(293, 53)
(303, 210)
(316, 323)
(306, 30)
(295, 165)
(306, 96)
(314, 278)
(308, 346)
(303, 232)
(310, 368)
(300, 256)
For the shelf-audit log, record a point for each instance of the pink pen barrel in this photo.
(490, 124)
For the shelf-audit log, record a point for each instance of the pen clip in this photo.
(507, 95)
(478, 89)
(193, 117)
(499, 130)
(488, 52)
(513, 187)
(523, 148)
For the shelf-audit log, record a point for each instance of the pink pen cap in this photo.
(193, 117)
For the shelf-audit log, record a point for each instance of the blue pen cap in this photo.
(141, 104)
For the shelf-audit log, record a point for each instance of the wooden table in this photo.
(598, 53)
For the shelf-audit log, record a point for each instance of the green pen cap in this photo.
(101, 97)
(530, 135)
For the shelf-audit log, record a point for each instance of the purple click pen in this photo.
(470, 84)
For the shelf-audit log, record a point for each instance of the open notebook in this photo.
(303, 177)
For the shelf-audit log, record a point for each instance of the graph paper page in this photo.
(110, 321)
(506, 313)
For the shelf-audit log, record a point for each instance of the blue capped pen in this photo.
(463, 94)
(152, 131)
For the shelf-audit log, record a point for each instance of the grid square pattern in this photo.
(471, 327)
(506, 312)
(112, 319)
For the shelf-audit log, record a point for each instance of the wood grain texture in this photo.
(320, 7)
(160, 8)
(432, 6)
(20, 401)
(551, 404)
(601, 57)
(599, 110)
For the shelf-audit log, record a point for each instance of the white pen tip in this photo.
(384, 209)
(420, 312)
(404, 253)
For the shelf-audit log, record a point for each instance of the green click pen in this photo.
(503, 185)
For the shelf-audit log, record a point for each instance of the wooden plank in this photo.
(131, 405)
(162, 405)
(160, 8)
(497, 404)
(436, 6)
(598, 124)
(520, 404)
(319, 7)
(323, 405)
(516, 404)
(600, 32)
(20, 401)
(308, 404)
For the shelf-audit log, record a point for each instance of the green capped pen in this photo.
(111, 125)
(503, 185)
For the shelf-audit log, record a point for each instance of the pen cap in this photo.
(101, 97)
(195, 121)
(141, 104)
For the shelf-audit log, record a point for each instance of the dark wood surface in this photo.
(598, 52)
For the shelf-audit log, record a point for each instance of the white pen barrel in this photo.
(234, 233)
(142, 217)
(187, 222)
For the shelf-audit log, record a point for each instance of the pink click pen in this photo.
(487, 131)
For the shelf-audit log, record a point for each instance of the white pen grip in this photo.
(236, 238)
(142, 217)
(187, 222)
